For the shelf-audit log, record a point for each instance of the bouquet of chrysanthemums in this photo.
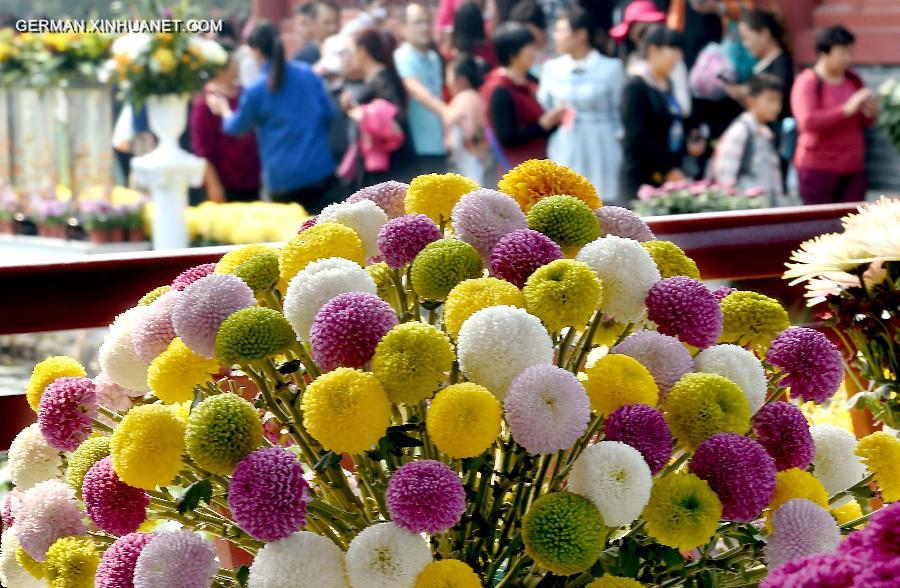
(437, 385)
(685, 197)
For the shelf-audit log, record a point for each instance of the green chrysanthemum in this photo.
(260, 272)
(72, 563)
(151, 296)
(86, 455)
(221, 431)
(252, 334)
(565, 219)
(563, 293)
(752, 319)
(411, 361)
(671, 259)
(683, 511)
(441, 265)
(701, 405)
(564, 533)
(607, 581)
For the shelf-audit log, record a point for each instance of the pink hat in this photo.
(638, 11)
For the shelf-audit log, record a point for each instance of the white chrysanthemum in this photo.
(316, 284)
(627, 273)
(738, 365)
(32, 460)
(386, 556)
(874, 226)
(836, 464)
(831, 252)
(615, 477)
(800, 527)
(497, 343)
(11, 573)
(131, 45)
(302, 560)
(117, 356)
(365, 217)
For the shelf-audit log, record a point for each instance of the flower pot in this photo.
(117, 235)
(136, 234)
(6, 226)
(167, 116)
(98, 236)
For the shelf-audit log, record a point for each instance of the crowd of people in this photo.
(703, 89)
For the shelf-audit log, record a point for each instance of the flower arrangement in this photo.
(687, 197)
(890, 110)
(352, 422)
(52, 59)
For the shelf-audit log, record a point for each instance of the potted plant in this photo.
(94, 216)
(686, 197)
(134, 221)
(50, 217)
(9, 206)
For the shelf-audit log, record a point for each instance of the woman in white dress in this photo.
(590, 85)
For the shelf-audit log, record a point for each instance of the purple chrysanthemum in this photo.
(800, 527)
(47, 512)
(113, 505)
(815, 571)
(812, 364)
(203, 307)
(389, 196)
(153, 331)
(116, 569)
(547, 409)
(347, 329)
(10, 506)
(621, 222)
(683, 307)
(65, 412)
(425, 496)
(782, 429)
(482, 217)
(182, 558)
(191, 275)
(310, 222)
(644, 428)
(403, 237)
(723, 291)
(268, 494)
(664, 357)
(879, 574)
(739, 471)
(516, 255)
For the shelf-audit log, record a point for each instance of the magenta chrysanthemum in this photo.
(723, 291)
(644, 428)
(547, 409)
(812, 364)
(425, 496)
(389, 196)
(183, 559)
(116, 569)
(664, 357)
(516, 255)
(268, 494)
(403, 237)
(482, 217)
(65, 412)
(47, 512)
(815, 571)
(203, 307)
(113, 505)
(621, 222)
(800, 527)
(191, 275)
(310, 222)
(153, 331)
(782, 429)
(739, 471)
(347, 329)
(10, 506)
(683, 307)
(879, 539)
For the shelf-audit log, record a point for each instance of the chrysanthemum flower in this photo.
(812, 364)
(536, 179)
(448, 573)
(10, 505)
(683, 307)
(35, 569)
(441, 265)
(800, 528)
(191, 275)
(117, 357)
(302, 560)
(664, 356)
(683, 511)
(482, 217)
(153, 332)
(836, 463)
(497, 343)
(607, 581)
(751, 319)
(547, 409)
(204, 306)
(565, 219)
(364, 216)
(346, 410)
(519, 253)
(880, 453)
(253, 334)
(644, 428)
(114, 506)
(671, 259)
(11, 572)
(65, 412)
(425, 496)
(880, 538)
(627, 273)
(380, 274)
(435, 195)
(116, 569)
(31, 460)
(615, 477)
(389, 196)
(463, 420)
(232, 260)
(72, 562)
(260, 272)
(470, 296)
(175, 372)
(147, 445)
(402, 238)
(154, 294)
(112, 395)
(621, 222)
(824, 570)
(411, 361)
(701, 405)
(347, 329)
(616, 380)
(47, 512)
(564, 533)
(563, 293)
(181, 558)
(45, 372)
(782, 429)
(738, 365)
(845, 509)
(386, 556)
(797, 483)
(221, 431)
(319, 242)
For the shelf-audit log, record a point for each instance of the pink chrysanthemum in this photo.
(482, 217)
(403, 237)
(517, 254)
(10, 505)
(347, 329)
(183, 559)
(644, 428)
(113, 505)
(65, 412)
(739, 471)
(723, 291)
(116, 569)
(782, 429)
(203, 307)
(47, 512)
(112, 395)
(664, 357)
(268, 494)
(191, 275)
(811, 362)
(800, 527)
(683, 307)
(425, 496)
(310, 222)
(389, 196)
(621, 222)
(153, 331)
(816, 571)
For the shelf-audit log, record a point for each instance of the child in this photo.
(465, 119)
(745, 156)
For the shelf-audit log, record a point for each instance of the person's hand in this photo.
(355, 113)
(215, 192)
(347, 101)
(737, 92)
(857, 100)
(552, 118)
(872, 106)
(218, 104)
(674, 175)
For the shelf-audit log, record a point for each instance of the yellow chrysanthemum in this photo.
(72, 562)
(380, 272)
(463, 420)
(683, 511)
(346, 410)
(448, 573)
(796, 483)
(563, 293)
(45, 372)
(435, 195)
(607, 581)
(880, 452)
(147, 446)
(37, 569)
(470, 296)
(318, 242)
(847, 512)
(752, 319)
(616, 380)
(174, 373)
(535, 179)
(671, 259)
(153, 295)
(233, 259)
(411, 361)
(83, 458)
(701, 405)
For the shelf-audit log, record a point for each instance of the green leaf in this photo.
(405, 428)
(243, 575)
(403, 440)
(329, 459)
(200, 490)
